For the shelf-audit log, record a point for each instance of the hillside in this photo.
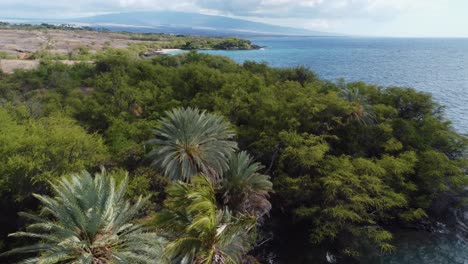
(190, 23)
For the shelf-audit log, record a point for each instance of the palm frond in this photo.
(362, 112)
(190, 142)
(198, 231)
(244, 189)
(87, 220)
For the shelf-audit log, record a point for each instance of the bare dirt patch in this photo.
(9, 66)
(17, 42)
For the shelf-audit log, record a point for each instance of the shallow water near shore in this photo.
(436, 66)
(443, 246)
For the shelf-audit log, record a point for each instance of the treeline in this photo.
(187, 42)
(219, 44)
(6, 25)
(347, 161)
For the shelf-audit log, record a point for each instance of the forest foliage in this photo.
(348, 161)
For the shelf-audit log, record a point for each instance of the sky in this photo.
(398, 18)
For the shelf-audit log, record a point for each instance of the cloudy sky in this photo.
(418, 18)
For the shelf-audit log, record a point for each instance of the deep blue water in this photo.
(437, 66)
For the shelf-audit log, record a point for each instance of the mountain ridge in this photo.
(189, 23)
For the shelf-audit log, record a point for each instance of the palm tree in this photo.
(190, 142)
(362, 111)
(89, 221)
(200, 233)
(244, 189)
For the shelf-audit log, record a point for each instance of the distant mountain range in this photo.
(188, 23)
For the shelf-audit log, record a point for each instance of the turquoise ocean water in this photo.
(436, 66)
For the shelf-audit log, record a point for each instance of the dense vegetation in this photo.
(348, 161)
(187, 42)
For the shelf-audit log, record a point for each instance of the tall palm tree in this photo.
(89, 221)
(200, 233)
(190, 142)
(244, 189)
(362, 111)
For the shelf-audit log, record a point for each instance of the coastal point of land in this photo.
(23, 46)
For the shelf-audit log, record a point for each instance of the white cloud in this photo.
(330, 15)
(312, 9)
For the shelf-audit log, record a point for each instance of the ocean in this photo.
(436, 66)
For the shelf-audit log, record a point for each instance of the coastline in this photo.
(167, 51)
(176, 51)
